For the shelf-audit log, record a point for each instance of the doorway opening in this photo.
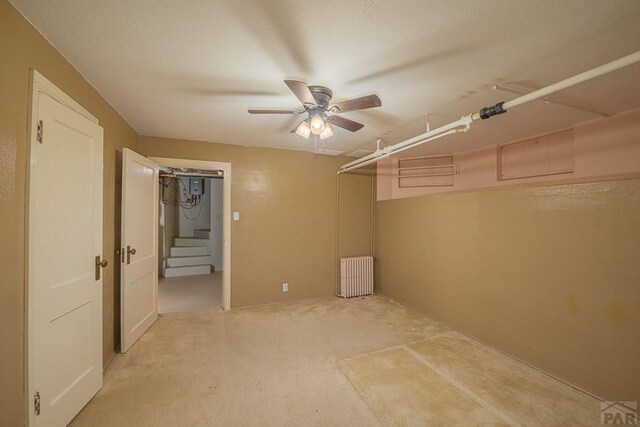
(194, 261)
(190, 240)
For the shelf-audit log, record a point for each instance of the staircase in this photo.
(189, 255)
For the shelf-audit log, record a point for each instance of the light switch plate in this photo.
(236, 216)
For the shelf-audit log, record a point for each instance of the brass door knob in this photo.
(99, 264)
(130, 251)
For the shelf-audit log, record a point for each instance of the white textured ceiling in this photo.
(189, 69)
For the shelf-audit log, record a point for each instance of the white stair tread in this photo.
(189, 266)
(190, 241)
(181, 261)
(189, 251)
(187, 256)
(190, 270)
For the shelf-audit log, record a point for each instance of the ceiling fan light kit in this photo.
(321, 113)
(320, 127)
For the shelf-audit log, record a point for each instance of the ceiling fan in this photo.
(316, 102)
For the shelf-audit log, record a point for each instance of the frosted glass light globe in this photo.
(304, 130)
(317, 125)
(327, 132)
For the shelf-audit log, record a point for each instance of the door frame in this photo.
(37, 84)
(226, 210)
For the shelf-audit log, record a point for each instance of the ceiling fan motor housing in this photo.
(322, 95)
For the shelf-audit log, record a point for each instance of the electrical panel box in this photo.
(196, 186)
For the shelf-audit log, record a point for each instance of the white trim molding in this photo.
(39, 83)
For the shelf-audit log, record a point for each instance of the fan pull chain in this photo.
(315, 146)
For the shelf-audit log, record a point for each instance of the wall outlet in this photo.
(285, 287)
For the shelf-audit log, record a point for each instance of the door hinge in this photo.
(36, 403)
(40, 131)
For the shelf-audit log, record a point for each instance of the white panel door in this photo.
(65, 236)
(139, 272)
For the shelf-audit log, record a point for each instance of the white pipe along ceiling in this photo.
(464, 123)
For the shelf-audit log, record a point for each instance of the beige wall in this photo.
(550, 275)
(355, 225)
(287, 205)
(22, 48)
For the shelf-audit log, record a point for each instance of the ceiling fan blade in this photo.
(357, 103)
(345, 123)
(302, 92)
(274, 111)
